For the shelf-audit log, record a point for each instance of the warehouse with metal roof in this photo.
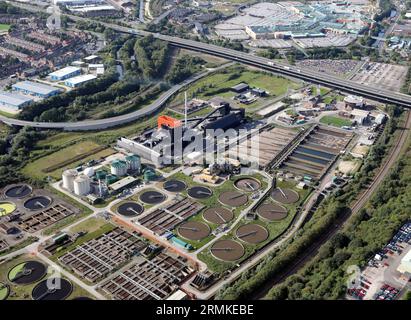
(65, 73)
(14, 101)
(79, 80)
(35, 89)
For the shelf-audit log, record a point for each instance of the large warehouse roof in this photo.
(64, 72)
(34, 87)
(80, 79)
(13, 99)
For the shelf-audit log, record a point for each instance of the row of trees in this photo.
(7, 8)
(184, 68)
(151, 55)
(14, 151)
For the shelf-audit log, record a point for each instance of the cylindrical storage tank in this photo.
(68, 179)
(101, 174)
(110, 179)
(89, 172)
(82, 185)
(133, 163)
(118, 168)
(149, 175)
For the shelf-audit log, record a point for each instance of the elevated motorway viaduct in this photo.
(305, 74)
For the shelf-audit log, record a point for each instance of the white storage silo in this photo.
(68, 179)
(82, 185)
(89, 172)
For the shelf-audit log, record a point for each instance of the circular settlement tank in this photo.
(82, 185)
(52, 289)
(18, 191)
(37, 203)
(6, 208)
(68, 179)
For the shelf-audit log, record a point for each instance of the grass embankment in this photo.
(69, 157)
(4, 27)
(336, 121)
(219, 84)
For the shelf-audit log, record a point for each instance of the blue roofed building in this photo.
(14, 101)
(79, 80)
(35, 89)
(65, 73)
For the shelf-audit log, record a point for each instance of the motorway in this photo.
(348, 86)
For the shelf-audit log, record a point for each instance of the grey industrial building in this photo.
(35, 89)
(14, 101)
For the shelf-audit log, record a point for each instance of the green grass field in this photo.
(335, 121)
(219, 84)
(4, 27)
(35, 169)
(3, 291)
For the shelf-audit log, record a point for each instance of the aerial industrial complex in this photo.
(143, 165)
(333, 23)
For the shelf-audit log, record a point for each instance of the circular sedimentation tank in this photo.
(6, 208)
(27, 272)
(247, 184)
(174, 186)
(252, 233)
(193, 230)
(4, 291)
(19, 191)
(52, 289)
(285, 196)
(272, 212)
(218, 215)
(227, 250)
(37, 203)
(130, 209)
(200, 192)
(233, 198)
(152, 197)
